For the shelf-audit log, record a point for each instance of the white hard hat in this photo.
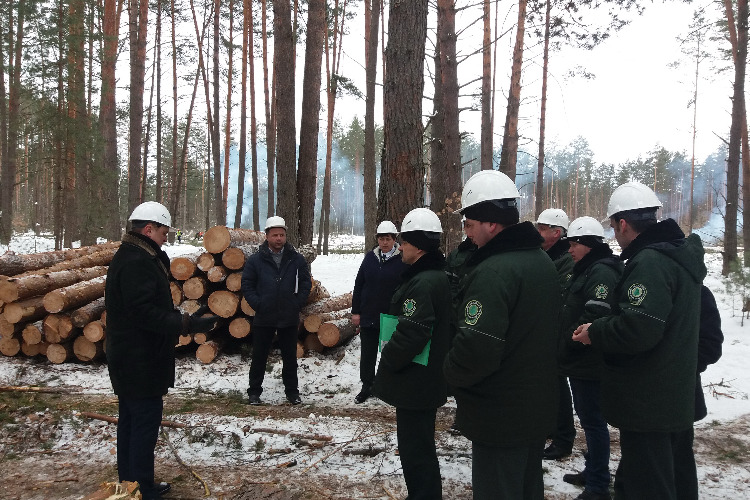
(275, 221)
(386, 227)
(585, 226)
(421, 219)
(554, 217)
(152, 211)
(631, 196)
(487, 185)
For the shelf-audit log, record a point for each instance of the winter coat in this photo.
(588, 295)
(374, 286)
(710, 338)
(650, 344)
(422, 303)
(502, 366)
(456, 266)
(276, 293)
(142, 322)
(562, 260)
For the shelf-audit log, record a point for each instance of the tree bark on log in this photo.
(206, 261)
(234, 282)
(207, 352)
(10, 346)
(60, 353)
(317, 293)
(217, 274)
(13, 265)
(337, 332)
(101, 258)
(38, 284)
(312, 343)
(86, 350)
(240, 327)
(88, 313)
(103, 319)
(74, 296)
(184, 266)
(94, 331)
(33, 333)
(336, 303)
(219, 238)
(27, 310)
(194, 288)
(313, 321)
(224, 303)
(308, 253)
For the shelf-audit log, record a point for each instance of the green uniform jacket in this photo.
(502, 366)
(650, 345)
(423, 305)
(562, 260)
(142, 322)
(588, 295)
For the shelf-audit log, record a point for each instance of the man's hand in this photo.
(582, 334)
(355, 319)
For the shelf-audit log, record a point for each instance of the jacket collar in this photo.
(598, 252)
(150, 247)
(522, 236)
(559, 249)
(427, 262)
(661, 232)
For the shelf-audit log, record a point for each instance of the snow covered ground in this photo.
(331, 381)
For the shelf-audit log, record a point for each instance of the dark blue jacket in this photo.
(710, 338)
(276, 293)
(374, 286)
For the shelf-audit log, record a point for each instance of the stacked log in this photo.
(53, 305)
(50, 298)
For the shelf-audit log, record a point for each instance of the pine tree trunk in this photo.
(242, 160)
(539, 187)
(138, 30)
(486, 134)
(371, 62)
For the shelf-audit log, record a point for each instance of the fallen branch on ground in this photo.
(179, 461)
(113, 420)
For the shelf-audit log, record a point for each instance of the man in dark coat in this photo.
(502, 365)
(142, 330)
(650, 347)
(422, 303)
(552, 224)
(276, 283)
(377, 278)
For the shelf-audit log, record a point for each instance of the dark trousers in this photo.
(586, 398)
(262, 339)
(368, 336)
(416, 447)
(507, 473)
(565, 433)
(657, 466)
(137, 432)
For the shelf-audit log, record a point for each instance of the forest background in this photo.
(340, 112)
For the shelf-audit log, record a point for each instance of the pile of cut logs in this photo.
(52, 303)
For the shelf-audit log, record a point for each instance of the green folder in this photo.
(388, 324)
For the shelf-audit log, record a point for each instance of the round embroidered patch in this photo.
(601, 291)
(473, 312)
(410, 307)
(636, 293)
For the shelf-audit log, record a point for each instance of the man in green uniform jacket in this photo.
(502, 366)
(650, 348)
(552, 224)
(588, 295)
(423, 305)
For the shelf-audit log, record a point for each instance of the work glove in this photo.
(202, 325)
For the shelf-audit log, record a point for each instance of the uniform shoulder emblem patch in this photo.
(473, 312)
(636, 294)
(410, 307)
(601, 291)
